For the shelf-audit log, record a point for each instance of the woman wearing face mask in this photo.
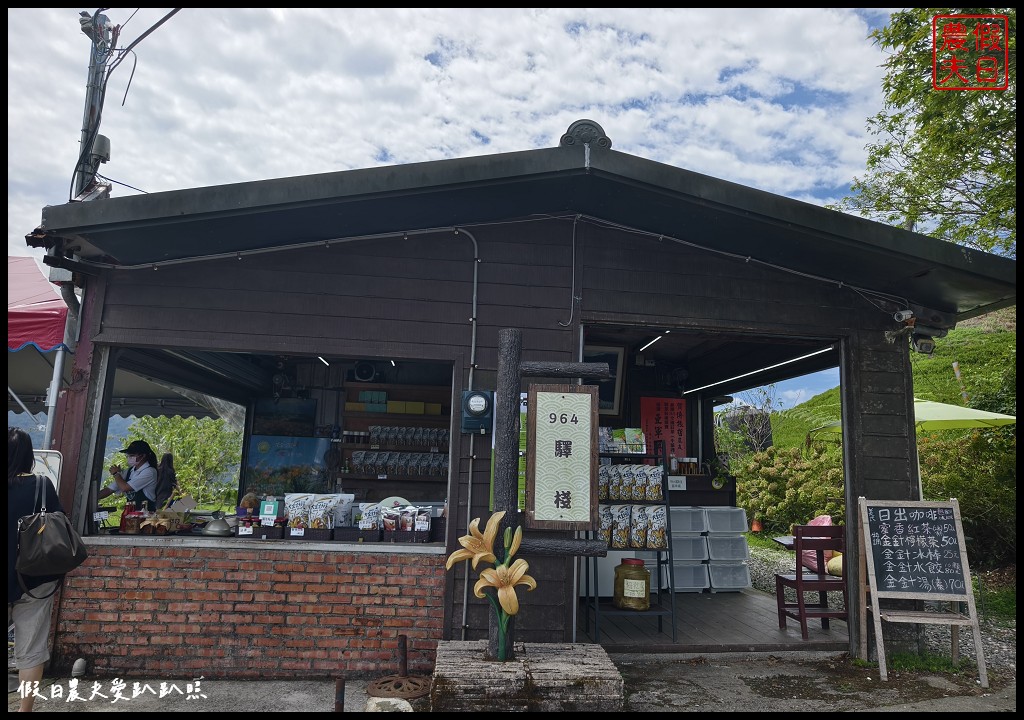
(139, 481)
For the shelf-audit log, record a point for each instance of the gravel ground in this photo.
(999, 641)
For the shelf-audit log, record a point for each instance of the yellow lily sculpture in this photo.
(504, 577)
(477, 547)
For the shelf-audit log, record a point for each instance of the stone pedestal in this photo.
(543, 677)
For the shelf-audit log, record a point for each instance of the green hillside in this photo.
(986, 352)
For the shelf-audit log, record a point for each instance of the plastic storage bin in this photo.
(727, 547)
(690, 576)
(689, 546)
(728, 576)
(729, 520)
(689, 520)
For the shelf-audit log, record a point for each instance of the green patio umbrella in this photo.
(931, 415)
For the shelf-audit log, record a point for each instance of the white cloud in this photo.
(774, 99)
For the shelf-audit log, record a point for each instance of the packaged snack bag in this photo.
(296, 507)
(614, 483)
(639, 521)
(604, 515)
(321, 511)
(655, 476)
(369, 516)
(640, 482)
(620, 526)
(657, 534)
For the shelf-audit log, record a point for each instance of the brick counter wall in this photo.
(232, 611)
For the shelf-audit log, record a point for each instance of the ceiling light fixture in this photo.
(655, 340)
(393, 364)
(321, 359)
(755, 372)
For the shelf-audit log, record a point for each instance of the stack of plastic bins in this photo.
(728, 552)
(689, 549)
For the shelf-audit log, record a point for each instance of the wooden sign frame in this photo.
(567, 474)
(919, 527)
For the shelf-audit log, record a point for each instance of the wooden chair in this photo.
(816, 539)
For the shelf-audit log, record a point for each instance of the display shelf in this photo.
(662, 601)
(417, 437)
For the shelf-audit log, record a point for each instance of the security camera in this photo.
(923, 344)
(903, 315)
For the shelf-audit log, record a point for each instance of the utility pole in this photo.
(95, 148)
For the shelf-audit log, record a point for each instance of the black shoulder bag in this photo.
(48, 544)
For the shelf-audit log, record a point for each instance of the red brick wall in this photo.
(179, 611)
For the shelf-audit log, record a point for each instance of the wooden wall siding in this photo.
(662, 282)
(233, 614)
(416, 292)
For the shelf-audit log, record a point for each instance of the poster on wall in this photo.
(663, 418)
(279, 464)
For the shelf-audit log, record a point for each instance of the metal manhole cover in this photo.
(399, 686)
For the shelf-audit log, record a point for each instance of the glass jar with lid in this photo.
(632, 585)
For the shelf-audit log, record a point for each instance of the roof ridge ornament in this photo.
(585, 132)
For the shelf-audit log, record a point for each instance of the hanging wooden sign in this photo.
(561, 457)
(914, 550)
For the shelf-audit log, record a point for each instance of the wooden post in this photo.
(506, 458)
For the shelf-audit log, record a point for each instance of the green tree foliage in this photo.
(979, 469)
(205, 451)
(787, 486)
(944, 162)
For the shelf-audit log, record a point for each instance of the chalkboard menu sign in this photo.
(915, 548)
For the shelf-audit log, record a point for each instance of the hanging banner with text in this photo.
(663, 418)
(561, 457)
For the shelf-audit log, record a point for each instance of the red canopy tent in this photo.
(36, 314)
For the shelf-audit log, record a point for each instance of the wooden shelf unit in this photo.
(374, 486)
(662, 602)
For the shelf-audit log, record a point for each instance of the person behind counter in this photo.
(139, 481)
(29, 612)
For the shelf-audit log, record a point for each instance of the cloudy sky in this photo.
(772, 99)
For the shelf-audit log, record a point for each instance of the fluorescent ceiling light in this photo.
(755, 372)
(320, 358)
(655, 340)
